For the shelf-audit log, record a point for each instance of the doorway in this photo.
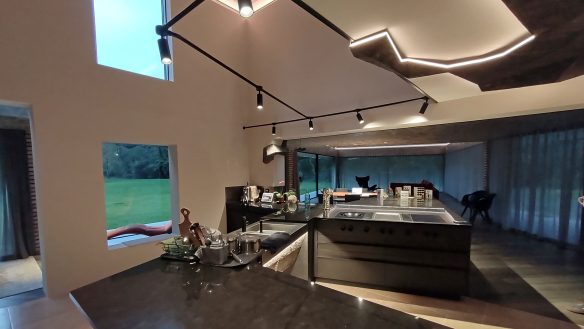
(20, 268)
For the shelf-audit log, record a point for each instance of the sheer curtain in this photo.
(16, 223)
(538, 179)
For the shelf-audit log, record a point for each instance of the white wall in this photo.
(49, 60)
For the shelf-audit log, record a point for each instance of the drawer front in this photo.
(427, 280)
(406, 256)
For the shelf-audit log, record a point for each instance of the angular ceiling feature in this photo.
(232, 4)
(446, 86)
(442, 64)
(456, 31)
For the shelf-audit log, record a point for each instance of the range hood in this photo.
(271, 150)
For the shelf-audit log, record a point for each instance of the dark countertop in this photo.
(167, 294)
(283, 213)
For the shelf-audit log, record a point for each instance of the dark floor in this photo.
(518, 271)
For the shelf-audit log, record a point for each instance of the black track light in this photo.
(245, 8)
(260, 98)
(424, 106)
(360, 118)
(164, 49)
(273, 130)
(310, 125)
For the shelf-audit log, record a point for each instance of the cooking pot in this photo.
(249, 244)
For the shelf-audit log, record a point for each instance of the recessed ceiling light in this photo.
(436, 64)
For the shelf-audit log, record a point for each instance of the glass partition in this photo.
(315, 172)
(326, 172)
(306, 173)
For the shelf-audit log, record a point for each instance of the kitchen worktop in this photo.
(410, 203)
(168, 294)
(300, 214)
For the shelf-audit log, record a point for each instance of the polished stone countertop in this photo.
(303, 214)
(168, 294)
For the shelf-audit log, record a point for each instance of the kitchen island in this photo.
(169, 294)
(411, 245)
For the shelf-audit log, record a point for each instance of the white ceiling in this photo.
(430, 29)
(302, 61)
(310, 67)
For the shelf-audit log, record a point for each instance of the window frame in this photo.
(167, 69)
(138, 239)
(316, 174)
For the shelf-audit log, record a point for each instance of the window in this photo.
(315, 172)
(138, 191)
(126, 38)
(384, 170)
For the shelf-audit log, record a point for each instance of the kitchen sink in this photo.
(269, 228)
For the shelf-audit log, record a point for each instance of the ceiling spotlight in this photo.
(310, 125)
(245, 8)
(273, 130)
(424, 106)
(260, 98)
(164, 49)
(360, 118)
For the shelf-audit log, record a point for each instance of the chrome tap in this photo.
(244, 223)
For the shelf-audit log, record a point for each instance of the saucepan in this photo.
(249, 244)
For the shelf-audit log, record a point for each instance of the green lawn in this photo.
(136, 201)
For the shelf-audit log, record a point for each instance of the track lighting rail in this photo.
(166, 57)
(182, 14)
(337, 113)
(163, 31)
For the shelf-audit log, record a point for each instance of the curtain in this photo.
(538, 179)
(16, 223)
(464, 171)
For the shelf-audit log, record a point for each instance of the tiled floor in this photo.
(43, 313)
(18, 276)
(516, 282)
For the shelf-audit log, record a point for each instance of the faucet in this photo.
(243, 223)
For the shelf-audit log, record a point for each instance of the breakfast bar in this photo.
(168, 294)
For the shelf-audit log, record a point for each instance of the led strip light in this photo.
(435, 64)
(389, 146)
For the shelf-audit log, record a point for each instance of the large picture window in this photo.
(126, 38)
(315, 172)
(138, 191)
